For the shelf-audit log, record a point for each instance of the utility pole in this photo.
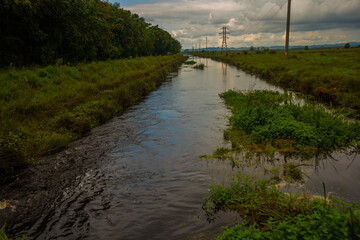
(224, 37)
(199, 45)
(206, 43)
(287, 30)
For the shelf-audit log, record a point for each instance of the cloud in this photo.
(254, 22)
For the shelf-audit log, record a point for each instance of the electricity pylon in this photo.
(224, 37)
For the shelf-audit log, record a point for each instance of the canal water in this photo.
(149, 181)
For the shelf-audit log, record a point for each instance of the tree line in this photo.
(41, 31)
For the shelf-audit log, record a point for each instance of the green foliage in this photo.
(347, 45)
(43, 109)
(329, 76)
(42, 31)
(267, 119)
(4, 237)
(200, 66)
(271, 214)
(190, 63)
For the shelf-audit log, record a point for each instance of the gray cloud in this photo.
(255, 22)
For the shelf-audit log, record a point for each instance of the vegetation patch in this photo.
(190, 62)
(43, 109)
(271, 214)
(200, 66)
(268, 122)
(329, 76)
(3, 235)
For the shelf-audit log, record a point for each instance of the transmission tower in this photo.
(224, 37)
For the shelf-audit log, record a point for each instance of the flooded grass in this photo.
(269, 122)
(3, 235)
(271, 214)
(43, 109)
(200, 66)
(329, 76)
(190, 62)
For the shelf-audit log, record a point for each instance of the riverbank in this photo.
(272, 124)
(43, 109)
(329, 76)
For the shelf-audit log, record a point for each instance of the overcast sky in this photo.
(252, 22)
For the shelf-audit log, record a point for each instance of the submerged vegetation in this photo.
(271, 214)
(3, 235)
(329, 76)
(200, 66)
(190, 62)
(43, 109)
(268, 122)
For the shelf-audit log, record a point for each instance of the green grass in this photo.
(268, 122)
(3, 235)
(268, 213)
(42, 109)
(330, 76)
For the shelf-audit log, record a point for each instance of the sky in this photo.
(252, 22)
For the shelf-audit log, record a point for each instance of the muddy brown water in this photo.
(139, 176)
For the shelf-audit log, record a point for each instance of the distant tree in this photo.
(252, 48)
(306, 48)
(347, 45)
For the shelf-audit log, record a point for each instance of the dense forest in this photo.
(42, 31)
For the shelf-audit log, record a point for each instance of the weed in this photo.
(200, 66)
(190, 62)
(4, 237)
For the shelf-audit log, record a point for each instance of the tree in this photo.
(306, 48)
(347, 45)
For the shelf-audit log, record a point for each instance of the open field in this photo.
(329, 76)
(43, 109)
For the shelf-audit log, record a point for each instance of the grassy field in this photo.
(42, 109)
(330, 76)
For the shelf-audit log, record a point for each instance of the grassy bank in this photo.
(330, 76)
(267, 122)
(43, 109)
(271, 214)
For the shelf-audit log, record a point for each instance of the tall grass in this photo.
(330, 76)
(43, 109)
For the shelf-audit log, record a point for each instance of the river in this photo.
(141, 176)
